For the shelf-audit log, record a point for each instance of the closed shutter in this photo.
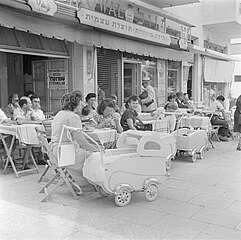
(109, 74)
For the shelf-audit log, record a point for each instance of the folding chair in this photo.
(61, 174)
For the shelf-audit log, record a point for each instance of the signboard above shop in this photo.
(120, 26)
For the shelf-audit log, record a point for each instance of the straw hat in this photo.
(146, 79)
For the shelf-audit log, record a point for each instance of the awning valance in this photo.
(73, 32)
(218, 71)
(212, 54)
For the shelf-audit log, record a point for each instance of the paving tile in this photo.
(179, 195)
(179, 184)
(212, 201)
(219, 217)
(173, 236)
(139, 215)
(178, 208)
(44, 230)
(213, 232)
(235, 207)
(181, 226)
(134, 231)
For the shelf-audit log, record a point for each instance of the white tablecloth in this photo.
(25, 133)
(196, 122)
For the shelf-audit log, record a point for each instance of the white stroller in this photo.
(139, 167)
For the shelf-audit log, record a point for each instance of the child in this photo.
(171, 105)
(130, 116)
(85, 114)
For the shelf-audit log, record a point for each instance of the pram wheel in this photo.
(123, 197)
(201, 151)
(194, 155)
(101, 191)
(151, 192)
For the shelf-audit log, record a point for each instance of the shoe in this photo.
(239, 147)
(26, 167)
(224, 139)
(42, 162)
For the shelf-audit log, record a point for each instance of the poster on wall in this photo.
(161, 82)
(57, 78)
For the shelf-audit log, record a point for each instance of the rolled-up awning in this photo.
(74, 32)
(212, 54)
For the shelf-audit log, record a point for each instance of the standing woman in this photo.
(68, 117)
(237, 126)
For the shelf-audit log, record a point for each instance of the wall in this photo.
(3, 79)
(15, 74)
(219, 11)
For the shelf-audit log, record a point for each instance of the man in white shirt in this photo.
(219, 118)
(36, 108)
(148, 103)
(24, 114)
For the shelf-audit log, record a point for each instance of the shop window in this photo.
(237, 78)
(149, 69)
(174, 72)
(211, 91)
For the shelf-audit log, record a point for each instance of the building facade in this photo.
(55, 46)
(217, 22)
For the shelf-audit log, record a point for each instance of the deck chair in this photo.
(61, 175)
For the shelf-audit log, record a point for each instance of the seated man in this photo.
(219, 118)
(12, 105)
(36, 108)
(24, 114)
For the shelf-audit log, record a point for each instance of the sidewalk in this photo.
(200, 200)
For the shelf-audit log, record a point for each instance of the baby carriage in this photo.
(121, 171)
(192, 142)
(130, 139)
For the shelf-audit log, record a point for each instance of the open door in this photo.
(132, 79)
(50, 82)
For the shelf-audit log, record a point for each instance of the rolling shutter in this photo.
(109, 74)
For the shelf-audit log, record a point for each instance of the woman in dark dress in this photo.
(237, 127)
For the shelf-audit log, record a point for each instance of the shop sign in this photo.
(57, 78)
(47, 7)
(103, 21)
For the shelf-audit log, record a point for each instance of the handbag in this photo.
(66, 152)
(144, 95)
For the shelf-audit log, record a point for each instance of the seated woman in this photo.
(106, 117)
(171, 105)
(219, 118)
(68, 117)
(90, 101)
(130, 116)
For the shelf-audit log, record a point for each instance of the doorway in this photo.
(132, 79)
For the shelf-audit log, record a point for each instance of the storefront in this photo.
(216, 71)
(107, 49)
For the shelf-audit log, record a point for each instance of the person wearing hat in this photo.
(148, 97)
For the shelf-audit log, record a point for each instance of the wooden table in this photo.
(25, 134)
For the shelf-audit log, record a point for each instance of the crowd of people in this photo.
(107, 114)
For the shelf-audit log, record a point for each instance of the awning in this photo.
(102, 39)
(73, 32)
(218, 71)
(212, 54)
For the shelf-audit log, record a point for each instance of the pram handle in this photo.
(88, 137)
